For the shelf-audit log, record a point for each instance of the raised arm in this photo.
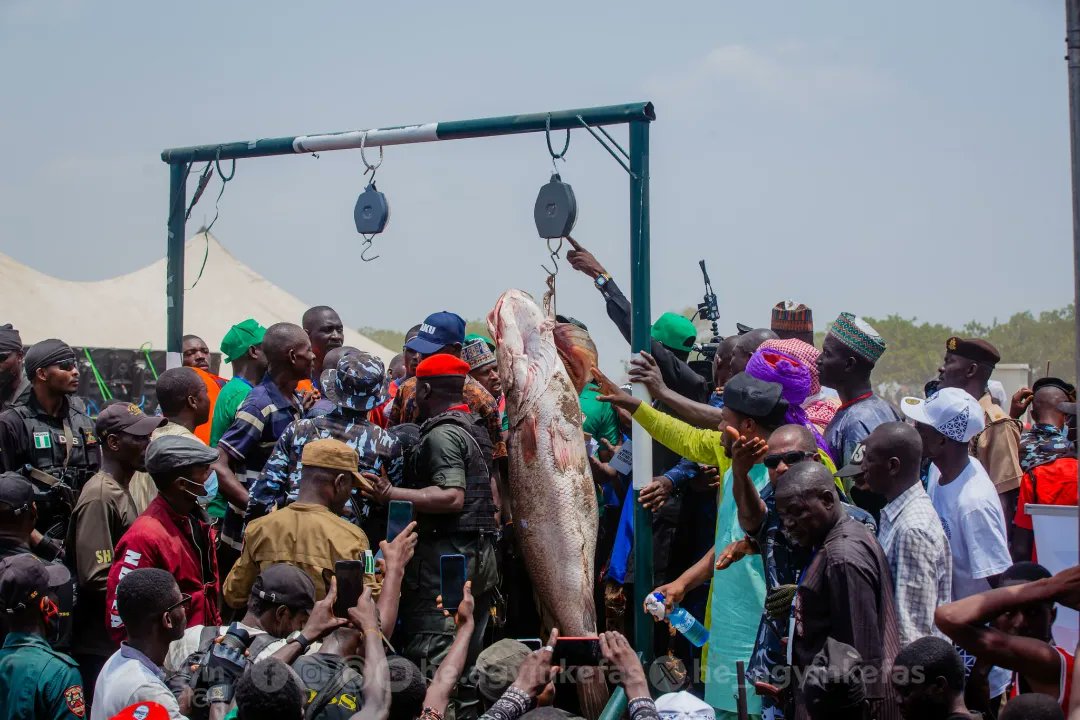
(453, 665)
(965, 621)
(376, 672)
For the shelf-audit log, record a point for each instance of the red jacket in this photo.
(182, 545)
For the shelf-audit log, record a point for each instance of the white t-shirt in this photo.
(971, 515)
(179, 650)
(129, 677)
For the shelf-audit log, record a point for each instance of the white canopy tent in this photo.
(128, 311)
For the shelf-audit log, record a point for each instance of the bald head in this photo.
(892, 459)
(792, 437)
(333, 357)
(1044, 406)
(722, 361)
(747, 345)
(807, 480)
(288, 350)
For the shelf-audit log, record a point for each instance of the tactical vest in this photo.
(59, 460)
(478, 513)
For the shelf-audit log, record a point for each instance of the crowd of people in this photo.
(281, 544)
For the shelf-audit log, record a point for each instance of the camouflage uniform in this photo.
(357, 385)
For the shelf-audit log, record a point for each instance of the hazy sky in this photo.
(871, 157)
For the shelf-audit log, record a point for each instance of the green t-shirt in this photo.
(229, 400)
(600, 418)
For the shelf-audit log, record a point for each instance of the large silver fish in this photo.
(551, 488)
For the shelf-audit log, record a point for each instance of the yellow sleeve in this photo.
(238, 584)
(701, 446)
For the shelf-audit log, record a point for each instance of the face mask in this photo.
(209, 489)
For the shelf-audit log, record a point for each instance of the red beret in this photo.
(442, 364)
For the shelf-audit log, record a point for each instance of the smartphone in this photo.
(400, 515)
(532, 643)
(350, 585)
(452, 577)
(576, 651)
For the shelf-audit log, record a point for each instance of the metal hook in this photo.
(370, 168)
(566, 146)
(368, 242)
(554, 257)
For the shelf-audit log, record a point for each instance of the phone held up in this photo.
(452, 569)
(400, 515)
(350, 582)
(576, 651)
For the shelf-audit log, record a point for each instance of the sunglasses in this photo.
(66, 365)
(184, 602)
(789, 458)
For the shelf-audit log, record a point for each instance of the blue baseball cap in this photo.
(437, 331)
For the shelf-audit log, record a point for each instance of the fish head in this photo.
(577, 352)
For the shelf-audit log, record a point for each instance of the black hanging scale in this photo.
(555, 211)
(372, 212)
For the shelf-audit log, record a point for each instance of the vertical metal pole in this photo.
(174, 266)
(639, 340)
(1072, 44)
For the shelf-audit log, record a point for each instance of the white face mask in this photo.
(210, 488)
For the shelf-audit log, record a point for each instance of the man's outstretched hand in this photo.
(584, 261)
(612, 393)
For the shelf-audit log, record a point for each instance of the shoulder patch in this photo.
(73, 696)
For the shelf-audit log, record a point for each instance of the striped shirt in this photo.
(920, 560)
(250, 440)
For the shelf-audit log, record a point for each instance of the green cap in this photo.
(476, 336)
(497, 667)
(240, 337)
(674, 332)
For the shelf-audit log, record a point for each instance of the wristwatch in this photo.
(601, 280)
(297, 637)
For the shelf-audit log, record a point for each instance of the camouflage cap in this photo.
(359, 382)
(497, 667)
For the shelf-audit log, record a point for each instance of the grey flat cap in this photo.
(177, 451)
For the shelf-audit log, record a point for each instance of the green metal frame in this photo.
(636, 115)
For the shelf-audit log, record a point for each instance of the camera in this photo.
(212, 671)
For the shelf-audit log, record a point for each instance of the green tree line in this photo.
(916, 348)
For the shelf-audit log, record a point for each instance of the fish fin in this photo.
(527, 438)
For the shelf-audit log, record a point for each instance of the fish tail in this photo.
(592, 695)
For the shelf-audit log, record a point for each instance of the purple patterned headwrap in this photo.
(794, 377)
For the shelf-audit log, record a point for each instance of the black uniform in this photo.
(58, 454)
(453, 452)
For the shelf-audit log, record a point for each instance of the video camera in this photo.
(707, 309)
(212, 672)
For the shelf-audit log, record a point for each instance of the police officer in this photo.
(35, 680)
(448, 482)
(50, 438)
(13, 383)
(356, 384)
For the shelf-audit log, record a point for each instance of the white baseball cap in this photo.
(951, 411)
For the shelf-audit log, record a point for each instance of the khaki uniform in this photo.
(303, 534)
(104, 512)
(997, 448)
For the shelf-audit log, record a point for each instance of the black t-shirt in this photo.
(318, 670)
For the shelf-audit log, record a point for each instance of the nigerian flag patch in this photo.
(42, 441)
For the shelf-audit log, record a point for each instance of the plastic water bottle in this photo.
(679, 618)
(688, 625)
